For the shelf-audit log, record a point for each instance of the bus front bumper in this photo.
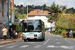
(27, 38)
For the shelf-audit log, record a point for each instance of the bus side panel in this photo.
(43, 30)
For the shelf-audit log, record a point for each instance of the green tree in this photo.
(63, 22)
(20, 16)
(18, 28)
(55, 11)
(70, 11)
(72, 23)
(66, 23)
(54, 8)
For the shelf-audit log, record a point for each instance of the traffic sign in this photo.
(7, 23)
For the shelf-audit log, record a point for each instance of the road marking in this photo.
(68, 41)
(58, 42)
(64, 47)
(46, 41)
(67, 47)
(37, 46)
(56, 39)
(24, 46)
(50, 46)
(1, 46)
(12, 46)
(53, 36)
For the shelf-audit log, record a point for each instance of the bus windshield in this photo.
(32, 26)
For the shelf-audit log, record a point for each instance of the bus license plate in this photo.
(30, 35)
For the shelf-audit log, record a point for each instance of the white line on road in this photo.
(46, 41)
(50, 46)
(37, 46)
(68, 41)
(67, 47)
(1, 46)
(12, 46)
(24, 46)
(58, 42)
(56, 39)
(64, 47)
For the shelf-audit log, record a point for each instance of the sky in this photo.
(68, 3)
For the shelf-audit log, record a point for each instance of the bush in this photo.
(52, 32)
(58, 30)
(16, 28)
(64, 32)
(57, 33)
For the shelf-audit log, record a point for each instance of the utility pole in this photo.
(8, 17)
(23, 9)
(27, 8)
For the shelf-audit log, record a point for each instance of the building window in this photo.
(3, 8)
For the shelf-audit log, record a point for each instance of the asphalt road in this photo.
(52, 42)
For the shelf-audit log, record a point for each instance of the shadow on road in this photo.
(34, 40)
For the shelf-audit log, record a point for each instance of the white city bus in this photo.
(32, 29)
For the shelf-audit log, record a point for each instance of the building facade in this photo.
(63, 7)
(40, 14)
(3, 14)
(11, 6)
(11, 3)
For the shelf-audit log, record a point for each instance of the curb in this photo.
(13, 41)
(68, 38)
(7, 42)
(54, 34)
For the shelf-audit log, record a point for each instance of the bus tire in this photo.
(43, 39)
(25, 40)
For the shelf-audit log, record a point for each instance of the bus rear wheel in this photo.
(42, 39)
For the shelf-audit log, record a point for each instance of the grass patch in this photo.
(68, 38)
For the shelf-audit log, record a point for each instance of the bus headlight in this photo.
(23, 35)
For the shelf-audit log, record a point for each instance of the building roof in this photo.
(38, 13)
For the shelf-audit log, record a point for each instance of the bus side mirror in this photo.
(42, 23)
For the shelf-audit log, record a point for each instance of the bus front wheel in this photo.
(25, 40)
(42, 39)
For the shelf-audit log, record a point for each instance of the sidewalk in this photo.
(2, 41)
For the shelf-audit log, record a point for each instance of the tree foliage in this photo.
(55, 8)
(63, 22)
(18, 28)
(20, 16)
(66, 22)
(70, 11)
